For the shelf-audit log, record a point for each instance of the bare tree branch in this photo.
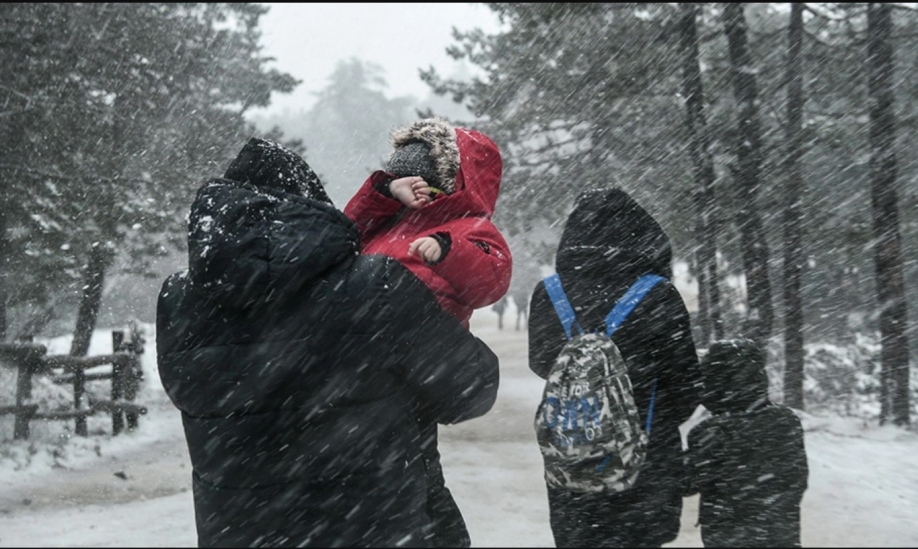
(17, 93)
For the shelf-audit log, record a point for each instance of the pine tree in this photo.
(894, 387)
(703, 167)
(347, 129)
(793, 245)
(746, 174)
(129, 106)
(578, 96)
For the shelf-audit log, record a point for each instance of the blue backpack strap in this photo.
(562, 305)
(620, 312)
(629, 301)
(653, 397)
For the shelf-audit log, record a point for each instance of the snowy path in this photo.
(863, 481)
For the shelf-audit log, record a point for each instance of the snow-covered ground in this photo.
(134, 490)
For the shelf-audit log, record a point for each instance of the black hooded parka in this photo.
(301, 369)
(608, 242)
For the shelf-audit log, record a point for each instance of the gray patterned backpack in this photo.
(587, 425)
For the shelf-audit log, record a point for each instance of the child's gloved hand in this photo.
(412, 191)
(427, 248)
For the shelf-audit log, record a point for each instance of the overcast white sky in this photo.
(307, 40)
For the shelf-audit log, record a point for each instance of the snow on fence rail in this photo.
(31, 359)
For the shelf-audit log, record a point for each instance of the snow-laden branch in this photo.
(823, 42)
(819, 10)
(67, 178)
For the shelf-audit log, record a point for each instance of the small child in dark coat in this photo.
(748, 459)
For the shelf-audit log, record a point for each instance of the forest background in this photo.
(770, 140)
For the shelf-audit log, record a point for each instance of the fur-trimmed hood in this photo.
(467, 163)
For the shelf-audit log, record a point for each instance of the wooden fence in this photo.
(31, 359)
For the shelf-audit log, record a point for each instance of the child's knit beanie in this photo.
(426, 148)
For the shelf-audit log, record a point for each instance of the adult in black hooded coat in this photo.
(301, 368)
(608, 242)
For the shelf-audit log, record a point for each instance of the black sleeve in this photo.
(454, 375)
(788, 431)
(657, 339)
(382, 187)
(678, 359)
(800, 460)
(701, 459)
(546, 335)
(690, 460)
(445, 242)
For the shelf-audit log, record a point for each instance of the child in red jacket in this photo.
(431, 210)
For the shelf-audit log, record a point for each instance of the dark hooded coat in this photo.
(608, 242)
(301, 371)
(749, 458)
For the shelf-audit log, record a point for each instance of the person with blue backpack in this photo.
(614, 470)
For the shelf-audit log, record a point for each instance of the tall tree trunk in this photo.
(888, 249)
(703, 167)
(99, 260)
(793, 240)
(746, 175)
(4, 269)
(100, 255)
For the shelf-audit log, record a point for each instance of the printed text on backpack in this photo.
(588, 426)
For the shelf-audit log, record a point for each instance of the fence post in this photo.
(131, 384)
(79, 387)
(26, 361)
(133, 371)
(117, 382)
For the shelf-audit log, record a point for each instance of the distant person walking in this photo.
(500, 308)
(748, 459)
(607, 244)
(521, 300)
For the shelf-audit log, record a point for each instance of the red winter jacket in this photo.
(476, 271)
